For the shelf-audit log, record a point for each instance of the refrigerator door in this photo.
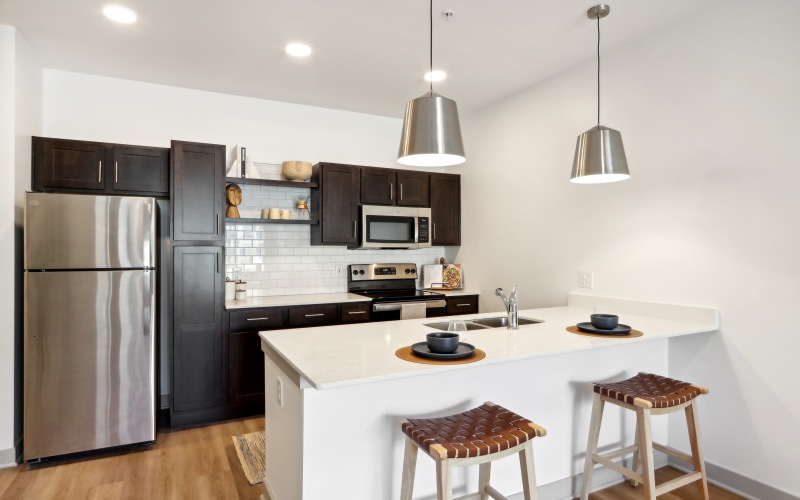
(89, 350)
(72, 231)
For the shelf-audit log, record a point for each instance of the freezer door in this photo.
(70, 231)
(89, 348)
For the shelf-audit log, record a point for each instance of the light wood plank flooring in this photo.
(198, 463)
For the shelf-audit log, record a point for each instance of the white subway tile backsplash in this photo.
(277, 259)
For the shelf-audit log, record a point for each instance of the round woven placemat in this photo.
(633, 334)
(405, 353)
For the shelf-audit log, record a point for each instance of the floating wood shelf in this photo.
(269, 182)
(273, 221)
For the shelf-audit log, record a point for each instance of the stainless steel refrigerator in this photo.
(89, 343)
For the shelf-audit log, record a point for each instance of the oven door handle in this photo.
(395, 306)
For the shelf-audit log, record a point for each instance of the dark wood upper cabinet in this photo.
(378, 186)
(71, 165)
(197, 191)
(413, 188)
(335, 204)
(141, 169)
(62, 165)
(386, 186)
(445, 192)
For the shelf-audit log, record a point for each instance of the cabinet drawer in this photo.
(462, 305)
(324, 314)
(256, 319)
(358, 311)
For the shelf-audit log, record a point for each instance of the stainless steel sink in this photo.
(502, 321)
(444, 324)
(483, 323)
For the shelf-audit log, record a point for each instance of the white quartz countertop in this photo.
(342, 355)
(294, 300)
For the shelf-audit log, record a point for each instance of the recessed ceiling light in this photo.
(119, 14)
(298, 49)
(435, 76)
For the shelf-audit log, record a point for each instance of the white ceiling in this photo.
(369, 55)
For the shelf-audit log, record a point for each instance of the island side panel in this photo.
(284, 428)
(352, 434)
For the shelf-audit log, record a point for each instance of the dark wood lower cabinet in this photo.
(245, 373)
(464, 304)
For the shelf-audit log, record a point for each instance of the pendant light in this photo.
(599, 155)
(431, 131)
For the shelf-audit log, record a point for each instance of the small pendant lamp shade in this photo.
(431, 133)
(599, 157)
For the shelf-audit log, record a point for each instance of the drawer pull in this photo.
(256, 319)
(313, 315)
(357, 312)
(463, 305)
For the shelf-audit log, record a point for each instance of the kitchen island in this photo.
(335, 395)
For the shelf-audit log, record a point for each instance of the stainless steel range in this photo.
(393, 290)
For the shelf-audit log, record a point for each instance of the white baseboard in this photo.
(737, 483)
(8, 458)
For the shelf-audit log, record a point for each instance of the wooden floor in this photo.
(199, 463)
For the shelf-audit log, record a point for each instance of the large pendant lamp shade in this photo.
(599, 154)
(431, 130)
(431, 133)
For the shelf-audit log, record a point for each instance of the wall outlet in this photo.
(339, 270)
(585, 279)
(279, 387)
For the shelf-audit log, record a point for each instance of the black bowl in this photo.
(442, 342)
(605, 321)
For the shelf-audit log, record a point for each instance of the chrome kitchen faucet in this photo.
(510, 304)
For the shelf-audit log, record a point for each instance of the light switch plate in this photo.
(339, 270)
(585, 279)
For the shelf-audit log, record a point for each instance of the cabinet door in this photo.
(462, 305)
(378, 186)
(337, 201)
(413, 188)
(316, 315)
(70, 165)
(245, 371)
(197, 328)
(141, 170)
(198, 191)
(445, 209)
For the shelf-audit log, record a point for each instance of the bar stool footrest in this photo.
(679, 481)
(600, 459)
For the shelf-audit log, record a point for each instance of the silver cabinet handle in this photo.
(217, 223)
(257, 319)
(357, 312)
(99, 171)
(116, 172)
(463, 305)
(434, 230)
(216, 261)
(401, 191)
(391, 190)
(313, 315)
(355, 228)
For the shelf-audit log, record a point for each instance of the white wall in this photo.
(80, 106)
(21, 105)
(709, 114)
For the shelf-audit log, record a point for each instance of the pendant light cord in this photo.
(431, 39)
(598, 69)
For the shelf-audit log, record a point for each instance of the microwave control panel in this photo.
(423, 224)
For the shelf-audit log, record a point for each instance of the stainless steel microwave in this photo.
(394, 227)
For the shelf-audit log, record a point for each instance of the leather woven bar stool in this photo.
(476, 436)
(647, 394)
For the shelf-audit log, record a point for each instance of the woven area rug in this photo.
(251, 449)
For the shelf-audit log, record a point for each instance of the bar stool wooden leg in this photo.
(484, 474)
(444, 482)
(409, 470)
(591, 447)
(646, 452)
(528, 472)
(697, 452)
(635, 464)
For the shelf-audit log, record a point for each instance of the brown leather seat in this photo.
(474, 433)
(650, 391)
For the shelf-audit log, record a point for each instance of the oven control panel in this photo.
(365, 272)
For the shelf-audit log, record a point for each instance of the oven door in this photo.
(390, 311)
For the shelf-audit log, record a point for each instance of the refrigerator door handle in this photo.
(149, 234)
(149, 303)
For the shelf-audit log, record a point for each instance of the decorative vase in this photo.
(297, 171)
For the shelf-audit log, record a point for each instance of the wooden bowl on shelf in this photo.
(297, 171)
